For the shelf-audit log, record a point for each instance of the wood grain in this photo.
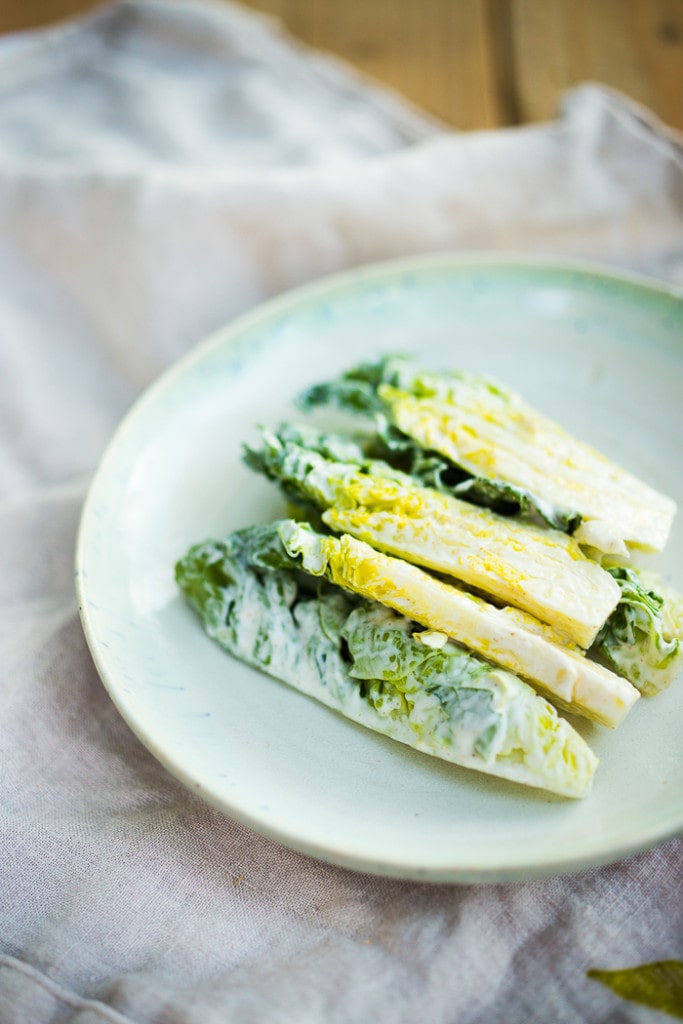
(633, 45)
(18, 15)
(437, 54)
(477, 63)
(489, 63)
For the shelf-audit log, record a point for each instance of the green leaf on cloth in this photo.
(657, 985)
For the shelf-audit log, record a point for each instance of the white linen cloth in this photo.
(163, 166)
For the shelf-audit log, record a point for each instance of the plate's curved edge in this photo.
(265, 312)
(331, 283)
(463, 874)
(366, 273)
(339, 281)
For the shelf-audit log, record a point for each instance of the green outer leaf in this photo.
(633, 641)
(257, 604)
(356, 390)
(658, 985)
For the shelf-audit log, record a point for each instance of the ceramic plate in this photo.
(603, 354)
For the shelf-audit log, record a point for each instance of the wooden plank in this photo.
(436, 53)
(659, 27)
(18, 15)
(477, 63)
(635, 46)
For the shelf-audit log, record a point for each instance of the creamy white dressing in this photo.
(438, 716)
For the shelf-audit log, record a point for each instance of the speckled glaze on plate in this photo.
(601, 353)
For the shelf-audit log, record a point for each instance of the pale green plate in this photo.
(601, 353)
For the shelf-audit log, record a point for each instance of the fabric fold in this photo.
(165, 166)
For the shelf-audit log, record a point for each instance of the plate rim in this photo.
(228, 334)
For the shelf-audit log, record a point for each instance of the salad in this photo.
(456, 571)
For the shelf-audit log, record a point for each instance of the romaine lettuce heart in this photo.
(439, 699)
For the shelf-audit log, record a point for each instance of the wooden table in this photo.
(479, 63)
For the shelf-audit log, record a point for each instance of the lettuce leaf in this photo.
(376, 667)
(658, 985)
(641, 639)
(357, 392)
(490, 433)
